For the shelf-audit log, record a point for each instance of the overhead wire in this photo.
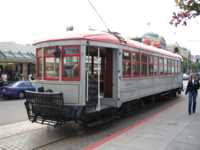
(98, 14)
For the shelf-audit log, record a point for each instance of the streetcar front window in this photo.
(52, 67)
(71, 63)
(40, 61)
(51, 63)
(39, 58)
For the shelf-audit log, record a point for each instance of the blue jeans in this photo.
(192, 102)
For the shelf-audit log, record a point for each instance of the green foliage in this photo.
(185, 65)
(176, 50)
(194, 67)
(188, 9)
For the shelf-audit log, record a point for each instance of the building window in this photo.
(144, 64)
(126, 64)
(71, 63)
(51, 64)
(39, 61)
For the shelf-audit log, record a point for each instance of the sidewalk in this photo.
(170, 129)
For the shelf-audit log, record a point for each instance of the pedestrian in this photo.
(22, 76)
(192, 91)
(4, 77)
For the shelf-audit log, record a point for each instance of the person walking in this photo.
(192, 91)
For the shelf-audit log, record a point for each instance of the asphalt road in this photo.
(12, 111)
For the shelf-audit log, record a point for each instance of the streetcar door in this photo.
(99, 74)
(107, 72)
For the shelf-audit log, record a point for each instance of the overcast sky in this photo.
(28, 21)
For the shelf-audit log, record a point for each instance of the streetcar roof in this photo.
(110, 38)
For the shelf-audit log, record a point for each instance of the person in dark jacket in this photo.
(192, 91)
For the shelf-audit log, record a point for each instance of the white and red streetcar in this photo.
(95, 74)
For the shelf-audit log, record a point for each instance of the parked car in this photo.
(185, 76)
(16, 89)
(4, 83)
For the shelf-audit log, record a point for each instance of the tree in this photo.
(188, 9)
(176, 50)
(185, 65)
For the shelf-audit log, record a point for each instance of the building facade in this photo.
(16, 61)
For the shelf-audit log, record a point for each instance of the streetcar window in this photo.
(179, 67)
(71, 63)
(161, 66)
(39, 52)
(144, 64)
(133, 63)
(39, 63)
(50, 52)
(126, 64)
(51, 64)
(151, 65)
(173, 67)
(155, 65)
(137, 69)
(71, 50)
(51, 67)
(168, 66)
(39, 66)
(176, 66)
(165, 66)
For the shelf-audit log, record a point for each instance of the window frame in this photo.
(129, 63)
(156, 65)
(38, 57)
(71, 55)
(179, 67)
(50, 56)
(144, 63)
(137, 64)
(150, 64)
(165, 66)
(173, 67)
(161, 65)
